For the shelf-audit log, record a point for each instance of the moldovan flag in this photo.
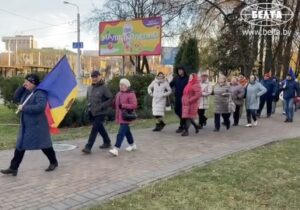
(61, 87)
(291, 72)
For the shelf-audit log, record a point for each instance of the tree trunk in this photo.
(268, 58)
(288, 48)
(138, 68)
(261, 55)
(145, 64)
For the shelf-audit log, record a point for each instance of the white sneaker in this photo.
(131, 147)
(114, 151)
(248, 125)
(255, 123)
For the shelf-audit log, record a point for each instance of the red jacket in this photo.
(127, 101)
(191, 101)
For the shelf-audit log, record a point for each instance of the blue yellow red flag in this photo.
(61, 87)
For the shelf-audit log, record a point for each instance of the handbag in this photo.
(231, 104)
(128, 115)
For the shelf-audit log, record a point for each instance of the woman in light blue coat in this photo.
(253, 92)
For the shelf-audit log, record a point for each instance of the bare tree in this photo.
(171, 12)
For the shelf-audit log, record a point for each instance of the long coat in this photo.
(190, 102)
(179, 84)
(34, 129)
(206, 90)
(127, 100)
(238, 93)
(222, 101)
(159, 90)
(253, 93)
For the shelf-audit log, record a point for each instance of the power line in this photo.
(28, 18)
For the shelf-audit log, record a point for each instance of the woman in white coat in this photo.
(159, 89)
(204, 103)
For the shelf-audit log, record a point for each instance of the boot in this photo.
(157, 127)
(161, 125)
(52, 167)
(105, 146)
(180, 129)
(10, 171)
(185, 133)
(86, 150)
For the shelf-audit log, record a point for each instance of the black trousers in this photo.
(19, 154)
(236, 115)
(251, 113)
(202, 117)
(98, 127)
(226, 118)
(188, 122)
(262, 102)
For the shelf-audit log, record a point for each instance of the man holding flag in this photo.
(43, 106)
(34, 130)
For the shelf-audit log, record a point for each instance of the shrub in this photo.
(139, 84)
(77, 115)
(8, 87)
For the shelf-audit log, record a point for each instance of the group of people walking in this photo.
(192, 92)
(191, 101)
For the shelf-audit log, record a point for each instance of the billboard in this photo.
(168, 55)
(133, 37)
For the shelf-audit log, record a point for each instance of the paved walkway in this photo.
(85, 180)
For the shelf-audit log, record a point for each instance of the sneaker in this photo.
(248, 125)
(114, 151)
(255, 123)
(131, 148)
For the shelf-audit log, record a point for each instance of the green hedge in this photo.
(77, 116)
(139, 84)
(8, 87)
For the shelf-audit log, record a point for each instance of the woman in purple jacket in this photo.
(125, 100)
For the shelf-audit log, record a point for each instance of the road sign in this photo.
(77, 45)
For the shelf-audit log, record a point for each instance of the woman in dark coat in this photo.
(179, 82)
(34, 129)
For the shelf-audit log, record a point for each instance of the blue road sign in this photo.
(77, 45)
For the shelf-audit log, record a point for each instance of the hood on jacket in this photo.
(184, 68)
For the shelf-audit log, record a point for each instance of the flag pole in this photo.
(27, 99)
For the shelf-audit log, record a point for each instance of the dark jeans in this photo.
(19, 154)
(264, 100)
(202, 117)
(251, 113)
(289, 108)
(124, 130)
(98, 128)
(226, 118)
(236, 115)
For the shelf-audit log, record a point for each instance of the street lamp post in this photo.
(79, 83)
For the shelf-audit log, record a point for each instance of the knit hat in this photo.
(95, 73)
(125, 82)
(33, 79)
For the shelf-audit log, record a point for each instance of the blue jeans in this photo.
(124, 130)
(289, 108)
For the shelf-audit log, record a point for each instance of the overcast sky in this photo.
(37, 17)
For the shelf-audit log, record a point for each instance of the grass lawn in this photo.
(9, 133)
(264, 178)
